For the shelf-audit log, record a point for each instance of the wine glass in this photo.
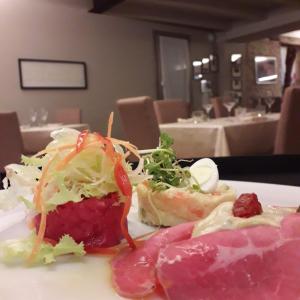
(33, 114)
(229, 101)
(43, 116)
(206, 103)
(269, 100)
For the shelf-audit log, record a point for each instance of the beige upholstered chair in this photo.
(219, 109)
(11, 139)
(139, 121)
(169, 110)
(287, 136)
(70, 115)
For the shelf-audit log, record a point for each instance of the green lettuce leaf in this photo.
(16, 251)
(33, 161)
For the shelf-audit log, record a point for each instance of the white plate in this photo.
(89, 278)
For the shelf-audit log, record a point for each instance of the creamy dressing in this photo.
(221, 218)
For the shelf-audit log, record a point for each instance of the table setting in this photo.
(249, 132)
(36, 134)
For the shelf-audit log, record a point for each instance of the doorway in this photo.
(173, 66)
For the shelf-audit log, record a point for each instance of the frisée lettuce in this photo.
(15, 251)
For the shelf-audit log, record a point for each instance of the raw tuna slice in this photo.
(94, 221)
(255, 263)
(134, 271)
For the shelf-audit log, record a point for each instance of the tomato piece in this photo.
(246, 206)
(122, 180)
(126, 189)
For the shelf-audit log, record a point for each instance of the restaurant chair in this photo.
(287, 139)
(219, 109)
(169, 110)
(70, 115)
(276, 107)
(139, 121)
(12, 144)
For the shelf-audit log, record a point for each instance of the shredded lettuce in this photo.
(33, 161)
(16, 251)
(89, 174)
(20, 182)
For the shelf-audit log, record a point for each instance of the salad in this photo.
(77, 192)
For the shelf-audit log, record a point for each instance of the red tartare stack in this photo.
(94, 221)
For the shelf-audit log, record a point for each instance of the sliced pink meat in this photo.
(254, 263)
(134, 271)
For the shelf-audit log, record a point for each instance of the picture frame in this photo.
(236, 65)
(266, 69)
(236, 84)
(214, 63)
(206, 86)
(197, 75)
(205, 67)
(52, 74)
(237, 95)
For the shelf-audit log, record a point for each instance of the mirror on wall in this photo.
(265, 69)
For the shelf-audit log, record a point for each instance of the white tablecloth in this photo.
(37, 137)
(224, 136)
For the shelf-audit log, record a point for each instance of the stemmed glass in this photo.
(229, 101)
(43, 116)
(269, 100)
(206, 103)
(33, 114)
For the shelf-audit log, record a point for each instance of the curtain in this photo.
(175, 67)
(290, 58)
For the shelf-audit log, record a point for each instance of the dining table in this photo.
(36, 138)
(252, 134)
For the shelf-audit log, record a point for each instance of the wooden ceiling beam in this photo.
(277, 23)
(208, 8)
(102, 6)
(289, 40)
(148, 12)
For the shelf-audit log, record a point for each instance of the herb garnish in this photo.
(164, 168)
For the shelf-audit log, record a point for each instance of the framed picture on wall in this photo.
(205, 65)
(236, 84)
(237, 95)
(236, 65)
(213, 60)
(197, 69)
(52, 74)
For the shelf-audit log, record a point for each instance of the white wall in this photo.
(119, 54)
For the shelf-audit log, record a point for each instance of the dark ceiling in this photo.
(216, 15)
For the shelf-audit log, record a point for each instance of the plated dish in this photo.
(206, 244)
(90, 276)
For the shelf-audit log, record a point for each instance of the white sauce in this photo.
(221, 218)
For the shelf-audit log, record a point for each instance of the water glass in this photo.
(198, 116)
(240, 111)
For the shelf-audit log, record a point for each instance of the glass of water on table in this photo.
(198, 116)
